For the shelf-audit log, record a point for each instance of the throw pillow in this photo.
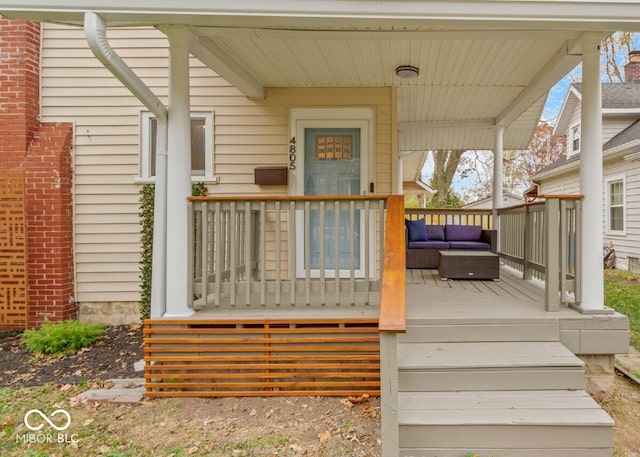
(417, 230)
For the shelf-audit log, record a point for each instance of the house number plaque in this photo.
(292, 153)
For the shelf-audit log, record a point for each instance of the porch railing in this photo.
(442, 216)
(541, 240)
(287, 251)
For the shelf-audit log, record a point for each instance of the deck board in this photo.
(428, 297)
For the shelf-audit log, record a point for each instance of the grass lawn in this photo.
(622, 293)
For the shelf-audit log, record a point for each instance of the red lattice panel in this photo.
(13, 250)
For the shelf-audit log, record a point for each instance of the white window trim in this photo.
(608, 181)
(570, 150)
(145, 148)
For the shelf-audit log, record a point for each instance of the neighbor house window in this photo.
(201, 145)
(575, 139)
(615, 205)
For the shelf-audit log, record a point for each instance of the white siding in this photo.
(628, 244)
(624, 245)
(248, 133)
(611, 125)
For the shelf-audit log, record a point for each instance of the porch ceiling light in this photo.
(407, 71)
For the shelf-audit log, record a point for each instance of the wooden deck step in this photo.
(480, 329)
(551, 423)
(488, 366)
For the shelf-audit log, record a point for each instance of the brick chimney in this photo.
(632, 69)
(43, 152)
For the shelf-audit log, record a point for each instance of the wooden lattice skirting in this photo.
(216, 358)
(13, 251)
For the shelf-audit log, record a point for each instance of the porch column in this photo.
(498, 178)
(591, 178)
(178, 174)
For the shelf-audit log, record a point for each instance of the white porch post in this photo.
(178, 175)
(498, 176)
(591, 178)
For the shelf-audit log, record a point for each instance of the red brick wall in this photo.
(19, 82)
(44, 152)
(632, 69)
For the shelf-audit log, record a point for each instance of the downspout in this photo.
(95, 32)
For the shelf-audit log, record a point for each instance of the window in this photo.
(201, 145)
(615, 205)
(575, 139)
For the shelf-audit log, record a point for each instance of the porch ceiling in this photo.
(482, 63)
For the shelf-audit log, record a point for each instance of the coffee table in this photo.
(468, 265)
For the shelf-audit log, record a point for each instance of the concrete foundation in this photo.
(110, 313)
(599, 370)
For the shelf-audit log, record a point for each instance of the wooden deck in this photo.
(428, 297)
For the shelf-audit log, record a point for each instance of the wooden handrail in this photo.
(267, 198)
(393, 311)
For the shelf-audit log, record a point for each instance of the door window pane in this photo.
(332, 167)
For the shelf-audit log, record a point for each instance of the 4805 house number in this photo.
(292, 153)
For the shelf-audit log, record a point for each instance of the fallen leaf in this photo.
(361, 399)
(324, 436)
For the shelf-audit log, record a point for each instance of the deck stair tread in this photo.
(481, 355)
(548, 408)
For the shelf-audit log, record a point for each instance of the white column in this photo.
(591, 181)
(178, 175)
(498, 176)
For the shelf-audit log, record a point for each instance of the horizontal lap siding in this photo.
(624, 245)
(247, 133)
(627, 245)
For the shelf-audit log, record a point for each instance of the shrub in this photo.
(64, 337)
(147, 194)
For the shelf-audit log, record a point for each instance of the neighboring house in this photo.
(621, 156)
(412, 179)
(508, 199)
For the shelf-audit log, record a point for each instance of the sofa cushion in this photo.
(416, 230)
(471, 245)
(463, 232)
(428, 245)
(435, 232)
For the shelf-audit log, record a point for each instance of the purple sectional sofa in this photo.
(424, 241)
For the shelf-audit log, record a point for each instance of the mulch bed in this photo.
(113, 356)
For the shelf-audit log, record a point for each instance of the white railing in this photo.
(541, 240)
(294, 251)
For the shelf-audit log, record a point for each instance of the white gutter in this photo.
(95, 32)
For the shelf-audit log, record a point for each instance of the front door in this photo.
(331, 160)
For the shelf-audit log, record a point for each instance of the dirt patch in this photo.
(113, 356)
(197, 427)
(623, 404)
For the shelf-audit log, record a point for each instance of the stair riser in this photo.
(502, 452)
(496, 379)
(516, 437)
(480, 332)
